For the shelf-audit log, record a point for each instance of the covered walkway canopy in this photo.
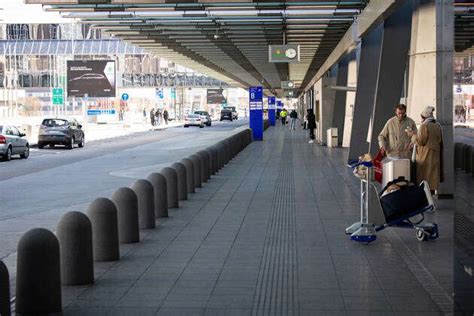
(229, 39)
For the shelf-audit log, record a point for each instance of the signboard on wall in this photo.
(95, 78)
(216, 96)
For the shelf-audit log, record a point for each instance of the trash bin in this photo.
(332, 139)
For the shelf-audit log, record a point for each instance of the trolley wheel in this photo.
(421, 234)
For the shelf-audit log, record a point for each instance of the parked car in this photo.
(235, 115)
(226, 114)
(193, 120)
(59, 131)
(12, 142)
(205, 117)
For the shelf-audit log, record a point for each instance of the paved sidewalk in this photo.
(265, 236)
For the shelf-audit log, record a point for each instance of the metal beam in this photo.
(372, 15)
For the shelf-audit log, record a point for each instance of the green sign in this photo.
(173, 93)
(58, 96)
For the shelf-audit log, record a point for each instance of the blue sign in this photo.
(279, 104)
(256, 112)
(159, 93)
(271, 110)
(458, 89)
(100, 112)
(125, 96)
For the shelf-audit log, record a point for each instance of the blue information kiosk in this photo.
(256, 112)
(271, 110)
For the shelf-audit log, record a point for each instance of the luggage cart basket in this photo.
(363, 231)
(372, 215)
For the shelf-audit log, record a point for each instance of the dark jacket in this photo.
(165, 114)
(311, 120)
(293, 114)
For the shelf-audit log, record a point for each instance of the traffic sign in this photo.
(125, 96)
(159, 93)
(173, 93)
(58, 97)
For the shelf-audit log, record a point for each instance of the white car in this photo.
(193, 120)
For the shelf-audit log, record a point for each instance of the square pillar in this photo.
(431, 73)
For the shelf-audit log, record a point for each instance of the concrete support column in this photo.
(392, 65)
(339, 112)
(366, 88)
(431, 73)
(350, 100)
(323, 107)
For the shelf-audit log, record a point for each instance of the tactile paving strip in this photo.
(277, 288)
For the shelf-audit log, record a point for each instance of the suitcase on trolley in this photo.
(394, 168)
(407, 199)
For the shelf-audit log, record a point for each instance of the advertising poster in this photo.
(94, 78)
(216, 96)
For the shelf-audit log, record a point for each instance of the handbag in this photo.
(378, 167)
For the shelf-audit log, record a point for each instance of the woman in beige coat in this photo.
(429, 149)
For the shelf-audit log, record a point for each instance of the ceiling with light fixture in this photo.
(227, 40)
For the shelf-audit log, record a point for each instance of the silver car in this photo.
(12, 142)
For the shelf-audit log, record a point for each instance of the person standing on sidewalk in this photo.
(165, 116)
(393, 140)
(294, 117)
(158, 117)
(429, 149)
(152, 117)
(311, 125)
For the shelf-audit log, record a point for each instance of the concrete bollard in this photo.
(204, 165)
(463, 160)
(38, 273)
(4, 290)
(228, 149)
(197, 170)
(467, 158)
(189, 165)
(172, 186)
(213, 151)
(160, 190)
(457, 155)
(182, 180)
(221, 154)
(74, 232)
(210, 161)
(472, 162)
(126, 202)
(225, 152)
(207, 162)
(105, 238)
(146, 203)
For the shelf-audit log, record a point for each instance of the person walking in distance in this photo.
(393, 140)
(165, 116)
(152, 117)
(311, 118)
(293, 117)
(158, 117)
(283, 115)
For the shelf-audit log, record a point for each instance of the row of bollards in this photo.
(464, 157)
(46, 261)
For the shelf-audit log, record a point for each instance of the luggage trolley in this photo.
(374, 219)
